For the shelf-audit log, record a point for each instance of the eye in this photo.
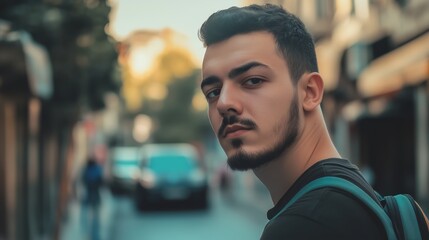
(254, 81)
(212, 94)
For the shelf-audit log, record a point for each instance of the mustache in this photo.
(235, 120)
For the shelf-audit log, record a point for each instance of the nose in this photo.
(229, 101)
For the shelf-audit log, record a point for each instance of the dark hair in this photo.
(293, 40)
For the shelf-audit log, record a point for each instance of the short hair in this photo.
(292, 38)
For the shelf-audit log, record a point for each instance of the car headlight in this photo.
(197, 177)
(147, 178)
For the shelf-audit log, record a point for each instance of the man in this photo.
(92, 178)
(261, 82)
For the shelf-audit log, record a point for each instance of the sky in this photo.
(185, 17)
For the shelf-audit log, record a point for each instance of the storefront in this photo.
(25, 81)
(394, 123)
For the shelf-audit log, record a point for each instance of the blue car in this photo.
(171, 172)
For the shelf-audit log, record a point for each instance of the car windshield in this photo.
(126, 157)
(126, 161)
(171, 163)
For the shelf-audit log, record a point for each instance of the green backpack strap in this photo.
(343, 184)
(402, 205)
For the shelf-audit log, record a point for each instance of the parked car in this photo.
(124, 166)
(171, 172)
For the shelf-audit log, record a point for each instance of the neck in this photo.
(312, 146)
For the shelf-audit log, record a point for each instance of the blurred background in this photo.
(108, 81)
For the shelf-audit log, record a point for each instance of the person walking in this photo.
(92, 178)
(263, 88)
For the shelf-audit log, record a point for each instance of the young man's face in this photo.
(253, 105)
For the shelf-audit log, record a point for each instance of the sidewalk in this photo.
(73, 228)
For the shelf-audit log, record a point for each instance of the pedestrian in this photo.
(92, 178)
(261, 82)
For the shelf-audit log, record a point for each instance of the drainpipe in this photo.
(422, 153)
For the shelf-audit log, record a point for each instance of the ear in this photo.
(313, 91)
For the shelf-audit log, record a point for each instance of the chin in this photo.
(243, 160)
(247, 157)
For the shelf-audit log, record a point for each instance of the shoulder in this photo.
(325, 213)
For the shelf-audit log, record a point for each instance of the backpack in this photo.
(92, 175)
(92, 179)
(400, 215)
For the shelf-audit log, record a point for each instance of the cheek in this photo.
(273, 108)
(214, 120)
(274, 117)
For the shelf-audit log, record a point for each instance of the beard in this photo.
(243, 161)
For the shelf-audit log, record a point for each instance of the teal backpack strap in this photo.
(343, 184)
(410, 224)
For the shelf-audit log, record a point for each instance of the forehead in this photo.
(261, 47)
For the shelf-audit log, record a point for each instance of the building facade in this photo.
(374, 58)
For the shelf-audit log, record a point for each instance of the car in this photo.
(124, 165)
(171, 172)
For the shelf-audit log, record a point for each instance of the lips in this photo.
(233, 128)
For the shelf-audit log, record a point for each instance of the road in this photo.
(228, 218)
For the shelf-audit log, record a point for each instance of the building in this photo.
(374, 58)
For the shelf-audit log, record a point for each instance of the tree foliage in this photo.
(165, 90)
(82, 55)
(177, 120)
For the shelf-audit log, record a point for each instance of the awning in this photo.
(38, 64)
(24, 66)
(407, 65)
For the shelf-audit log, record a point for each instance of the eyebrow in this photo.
(232, 74)
(244, 68)
(209, 81)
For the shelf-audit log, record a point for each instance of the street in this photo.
(226, 218)
(238, 212)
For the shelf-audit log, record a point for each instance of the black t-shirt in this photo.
(325, 213)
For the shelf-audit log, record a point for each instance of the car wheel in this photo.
(201, 200)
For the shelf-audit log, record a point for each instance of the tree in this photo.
(160, 79)
(83, 56)
(177, 120)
